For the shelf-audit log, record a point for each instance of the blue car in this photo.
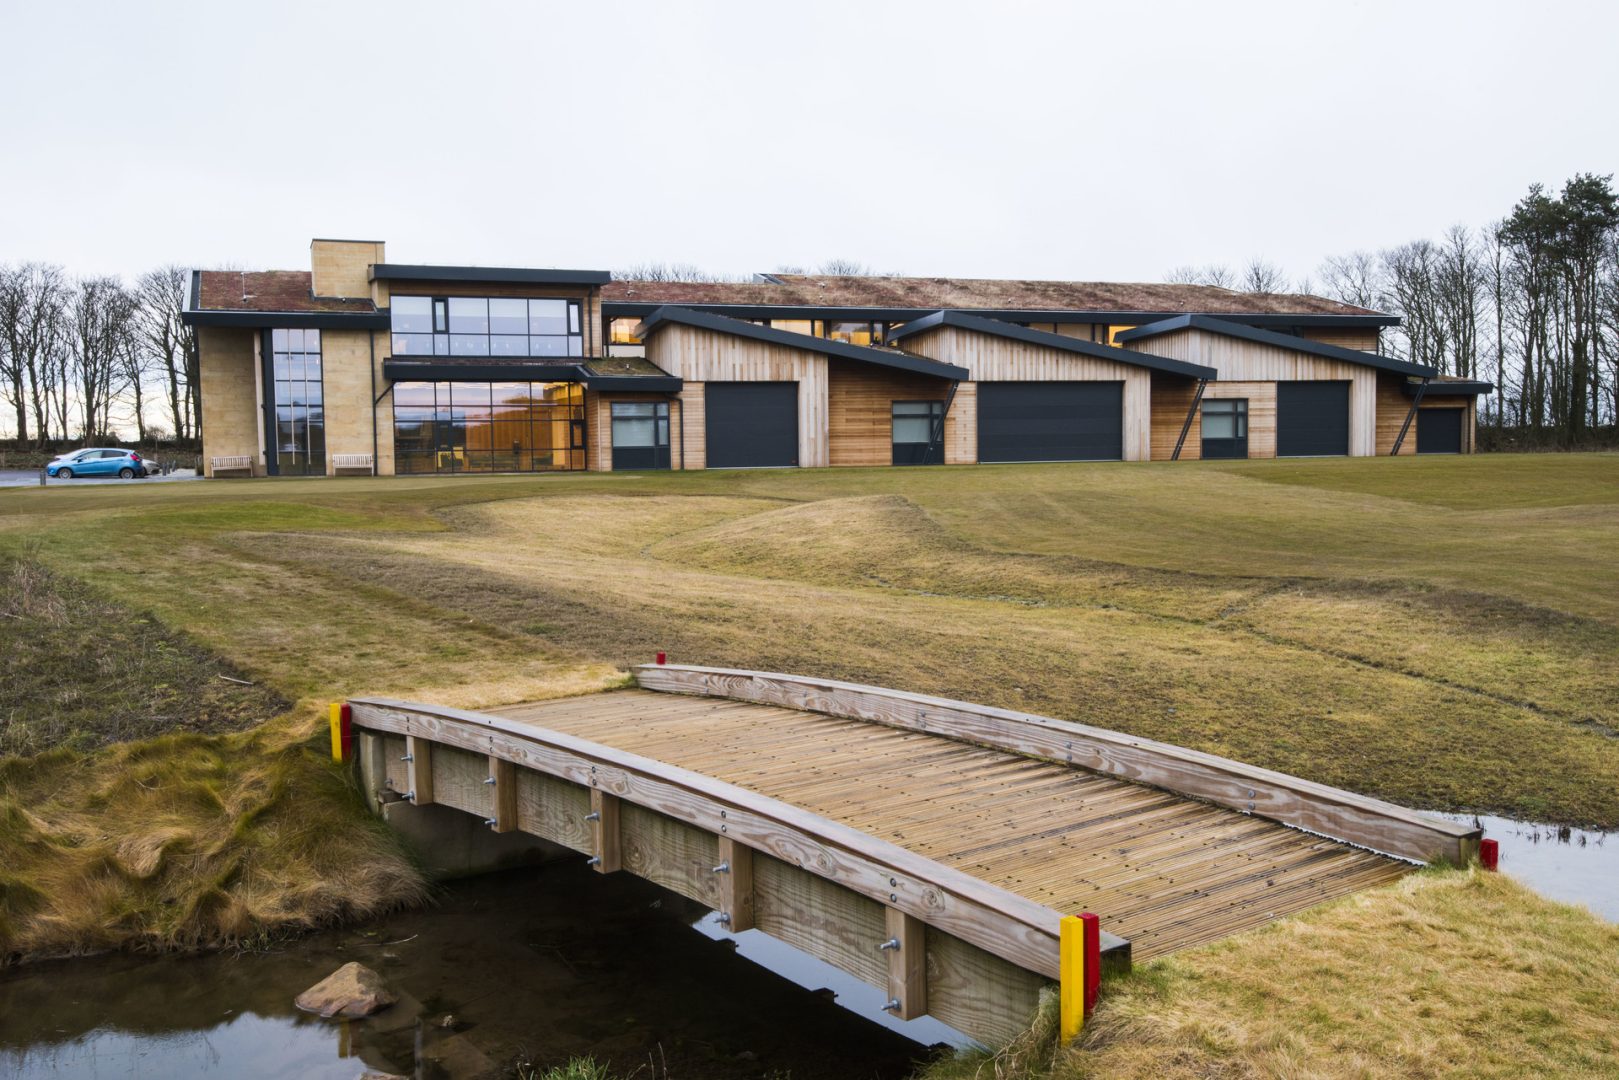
(97, 461)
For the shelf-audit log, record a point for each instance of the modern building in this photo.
(362, 365)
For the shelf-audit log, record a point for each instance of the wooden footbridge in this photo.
(928, 847)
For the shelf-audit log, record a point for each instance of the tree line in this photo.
(1529, 302)
(82, 358)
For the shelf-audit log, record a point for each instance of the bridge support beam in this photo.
(418, 770)
(735, 874)
(502, 795)
(606, 837)
(906, 947)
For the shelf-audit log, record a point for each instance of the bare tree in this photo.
(844, 268)
(1356, 278)
(170, 344)
(1260, 276)
(32, 300)
(1215, 274)
(663, 271)
(99, 313)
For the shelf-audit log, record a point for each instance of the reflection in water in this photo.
(1571, 865)
(535, 965)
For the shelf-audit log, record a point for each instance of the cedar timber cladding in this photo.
(997, 359)
(1172, 397)
(1251, 369)
(1393, 406)
(860, 407)
(699, 355)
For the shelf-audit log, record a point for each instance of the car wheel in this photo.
(126, 473)
(64, 474)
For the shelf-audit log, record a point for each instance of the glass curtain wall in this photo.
(300, 425)
(456, 427)
(485, 326)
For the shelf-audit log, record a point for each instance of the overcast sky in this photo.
(1099, 141)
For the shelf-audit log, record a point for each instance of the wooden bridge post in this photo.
(736, 884)
(502, 795)
(907, 948)
(419, 770)
(604, 832)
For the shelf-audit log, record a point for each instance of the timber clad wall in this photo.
(860, 402)
(1261, 414)
(705, 356)
(997, 359)
(1392, 408)
(599, 425)
(1363, 340)
(230, 417)
(1171, 397)
(1257, 367)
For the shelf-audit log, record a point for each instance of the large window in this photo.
(918, 432)
(455, 427)
(856, 333)
(640, 435)
(300, 427)
(486, 326)
(1225, 428)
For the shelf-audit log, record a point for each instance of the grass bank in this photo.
(1447, 973)
(1443, 632)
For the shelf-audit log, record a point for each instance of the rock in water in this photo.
(351, 991)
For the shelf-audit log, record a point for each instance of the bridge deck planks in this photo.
(1162, 870)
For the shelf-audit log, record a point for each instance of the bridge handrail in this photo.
(996, 920)
(1304, 804)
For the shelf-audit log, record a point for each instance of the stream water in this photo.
(526, 967)
(535, 967)
(1573, 865)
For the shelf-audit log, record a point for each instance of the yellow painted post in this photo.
(337, 731)
(1071, 976)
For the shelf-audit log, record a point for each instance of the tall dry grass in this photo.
(1447, 973)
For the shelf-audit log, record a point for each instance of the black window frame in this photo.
(930, 452)
(655, 456)
(572, 339)
(1229, 448)
(304, 411)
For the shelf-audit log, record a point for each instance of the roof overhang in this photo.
(633, 308)
(1012, 332)
(438, 370)
(675, 315)
(496, 275)
(1227, 328)
(279, 320)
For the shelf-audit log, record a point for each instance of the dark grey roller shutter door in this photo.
(1312, 419)
(751, 425)
(1439, 431)
(1050, 421)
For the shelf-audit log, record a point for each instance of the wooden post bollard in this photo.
(1071, 977)
(340, 720)
(1079, 949)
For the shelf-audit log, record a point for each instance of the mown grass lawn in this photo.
(1443, 632)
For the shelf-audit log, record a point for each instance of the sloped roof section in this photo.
(932, 294)
(865, 354)
(1013, 332)
(263, 299)
(1227, 328)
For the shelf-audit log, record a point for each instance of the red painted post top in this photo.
(662, 658)
(1489, 853)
